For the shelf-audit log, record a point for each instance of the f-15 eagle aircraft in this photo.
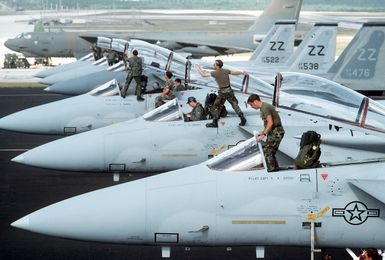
(352, 127)
(229, 200)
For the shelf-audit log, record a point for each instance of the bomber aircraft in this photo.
(351, 126)
(230, 200)
(197, 43)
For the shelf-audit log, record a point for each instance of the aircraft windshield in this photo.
(165, 113)
(245, 156)
(120, 66)
(322, 97)
(24, 35)
(89, 56)
(111, 88)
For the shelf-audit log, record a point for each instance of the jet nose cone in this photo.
(12, 123)
(116, 214)
(10, 45)
(22, 223)
(80, 152)
(19, 159)
(37, 120)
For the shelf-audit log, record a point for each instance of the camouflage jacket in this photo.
(135, 64)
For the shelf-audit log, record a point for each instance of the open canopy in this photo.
(108, 89)
(246, 156)
(165, 113)
(319, 96)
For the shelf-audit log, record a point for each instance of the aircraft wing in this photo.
(371, 187)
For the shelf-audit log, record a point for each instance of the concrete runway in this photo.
(25, 189)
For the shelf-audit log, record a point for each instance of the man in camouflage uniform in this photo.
(166, 95)
(134, 72)
(273, 130)
(179, 86)
(197, 112)
(168, 90)
(224, 93)
(111, 57)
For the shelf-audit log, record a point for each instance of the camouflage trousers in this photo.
(270, 147)
(127, 85)
(160, 100)
(224, 95)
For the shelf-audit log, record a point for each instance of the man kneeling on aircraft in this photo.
(273, 130)
(197, 112)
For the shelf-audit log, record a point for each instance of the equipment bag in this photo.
(310, 151)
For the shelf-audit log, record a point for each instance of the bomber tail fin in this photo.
(277, 47)
(361, 66)
(317, 51)
(277, 10)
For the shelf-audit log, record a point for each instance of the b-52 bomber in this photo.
(229, 200)
(195, 43)
(352, 127)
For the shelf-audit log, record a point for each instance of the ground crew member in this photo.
(134, 72)
(273, 130)
(168, 90)
(178, 85)
(197, 112)
(369, 254)
(169, 82)
(111, 57)
(97, 52)
(166, 95)
(224, 93)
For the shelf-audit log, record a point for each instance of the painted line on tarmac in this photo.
(29, 95)
(14, 150)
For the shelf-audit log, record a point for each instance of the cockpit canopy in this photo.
(108, 89)
(165, 113)
(24, 35)
(325, 98)
(246, 156)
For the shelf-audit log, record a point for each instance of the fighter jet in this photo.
(351, 125)
(101, 107)
(281, 34)
(229, 200)
(152, 55)
(196, 43)
(154, 58)
(87, 59)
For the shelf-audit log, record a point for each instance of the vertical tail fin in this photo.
(361, 65)
(277, 10)
(317, 51)
(277, 47)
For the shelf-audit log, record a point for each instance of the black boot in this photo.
(213, 124)
(243, 119)
(139, 98)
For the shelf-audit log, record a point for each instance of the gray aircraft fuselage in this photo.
(49, 44)
(230, 200)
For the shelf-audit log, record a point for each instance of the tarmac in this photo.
(24, 189)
